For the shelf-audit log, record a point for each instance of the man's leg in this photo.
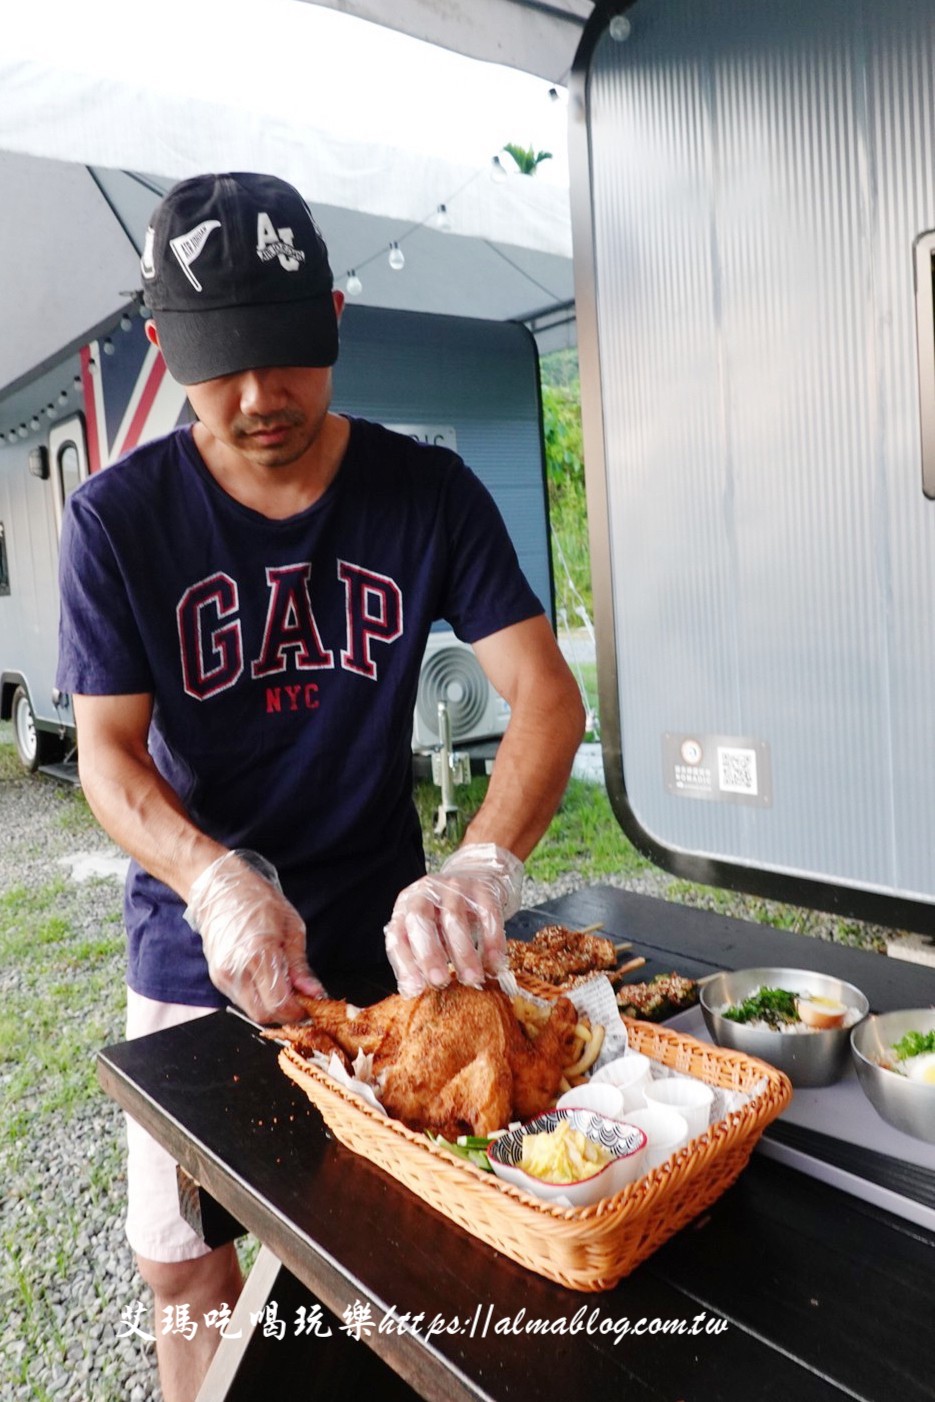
(198, 1287)
(187, 1278)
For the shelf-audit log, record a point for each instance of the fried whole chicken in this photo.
(454, 1060)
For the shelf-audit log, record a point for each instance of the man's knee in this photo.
(184, 1281)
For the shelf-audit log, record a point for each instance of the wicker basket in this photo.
(588, 1248)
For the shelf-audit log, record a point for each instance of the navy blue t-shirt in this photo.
(284, 657)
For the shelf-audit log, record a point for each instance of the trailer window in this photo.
(69, 470)
(4, 567)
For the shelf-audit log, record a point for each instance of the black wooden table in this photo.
(786, 1289)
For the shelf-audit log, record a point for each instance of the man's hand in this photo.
(455, 917)
(254, 939)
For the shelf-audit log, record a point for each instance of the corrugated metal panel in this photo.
(759, 173)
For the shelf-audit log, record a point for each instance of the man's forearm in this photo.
(137, 808)
(529, 777)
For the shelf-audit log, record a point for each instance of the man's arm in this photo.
(254, 939)
(525, 665)
(457, 915)
(128, 796)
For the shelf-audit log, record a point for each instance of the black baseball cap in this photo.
(236, 273)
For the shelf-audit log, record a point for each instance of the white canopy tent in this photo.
(376, 127)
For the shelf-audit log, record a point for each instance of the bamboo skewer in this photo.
(631, 965)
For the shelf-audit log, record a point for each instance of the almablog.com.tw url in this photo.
(358, 1321)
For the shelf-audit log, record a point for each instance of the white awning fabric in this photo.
(527, 34)
(376, 127)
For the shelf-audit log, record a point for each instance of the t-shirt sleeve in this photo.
(486, 588)
(100, 651)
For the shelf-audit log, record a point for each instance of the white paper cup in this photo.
(666, 1132)
(626, 1171)
(691, 1098)
(630, 1074)
(604, 1098)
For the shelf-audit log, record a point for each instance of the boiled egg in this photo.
(816, 1011)
(921, 1068)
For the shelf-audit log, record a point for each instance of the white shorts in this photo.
(156, 1229)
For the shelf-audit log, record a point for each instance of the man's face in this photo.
(270, 417)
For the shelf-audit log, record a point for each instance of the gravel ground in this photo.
(66, 1272)
(67, 1278)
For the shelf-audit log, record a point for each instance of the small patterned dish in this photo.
(624, 1141)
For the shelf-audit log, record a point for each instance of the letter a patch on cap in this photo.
(187, 247)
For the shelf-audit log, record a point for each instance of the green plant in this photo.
(565, 477)
(527, 158)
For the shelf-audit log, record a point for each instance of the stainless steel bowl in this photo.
(906, 1105)
(808, 1058)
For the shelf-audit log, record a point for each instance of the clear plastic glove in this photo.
(254, 939)
(455, 917)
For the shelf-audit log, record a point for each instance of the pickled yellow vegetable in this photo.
(564, 1155)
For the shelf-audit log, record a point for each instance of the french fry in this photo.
(589, 1055)
(531, 1017)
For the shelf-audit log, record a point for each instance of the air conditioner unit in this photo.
(451, 673)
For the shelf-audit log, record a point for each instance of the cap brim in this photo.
(205, 345)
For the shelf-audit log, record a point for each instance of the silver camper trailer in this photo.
(753, 205)
(470, 384)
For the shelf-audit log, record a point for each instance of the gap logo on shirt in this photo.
(211, 631)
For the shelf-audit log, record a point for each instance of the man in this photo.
(245, 604)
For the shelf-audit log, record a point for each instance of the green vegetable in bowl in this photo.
(914, 1044)
(774, 1006)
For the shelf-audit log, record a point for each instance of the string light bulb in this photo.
(109, 346)
(22, 431)
(442, 219)
(397, 259)
(619, 29)
(76, 382)
(34, 423)
(125, 322)
(63, 397)
(354, 287)
(497, 169)
(50, 411)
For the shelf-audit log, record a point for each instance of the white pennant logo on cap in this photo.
(187, 247)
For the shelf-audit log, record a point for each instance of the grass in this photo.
(584, 839)
(585, 835)
(57, 1005)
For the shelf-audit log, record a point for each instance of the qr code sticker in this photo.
(737, 770)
